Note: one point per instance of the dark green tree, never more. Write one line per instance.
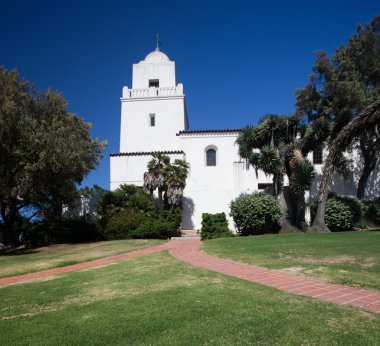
(45, 152)
(125, 197)
(366, 119)
(341, 87)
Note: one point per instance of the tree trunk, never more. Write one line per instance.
(275, 190)
(285, 219)
(364, 178)
(370, 159)
(319, 225)
(9, 215)
(160, 201)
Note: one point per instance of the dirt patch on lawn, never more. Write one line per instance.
(368, 262)
(324, 260)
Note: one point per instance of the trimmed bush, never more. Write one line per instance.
(159, 226)
(255, 213)
(215, 226)
(342, 213)
(338, 216)
(120, 225)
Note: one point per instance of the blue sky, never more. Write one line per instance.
(238, 60)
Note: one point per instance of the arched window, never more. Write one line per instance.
(211, 157)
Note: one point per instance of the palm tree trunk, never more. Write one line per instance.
(285, 219)
(160, 200)
(275, 186)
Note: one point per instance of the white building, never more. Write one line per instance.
(154, 118)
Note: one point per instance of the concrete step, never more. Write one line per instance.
(185, 238)
(190, 232)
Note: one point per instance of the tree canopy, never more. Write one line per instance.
(45, 152)
(342, 86)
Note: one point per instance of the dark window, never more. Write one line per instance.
(152, 119)
(154, 83)
(264, 186)
(211, 157)
(318, 156)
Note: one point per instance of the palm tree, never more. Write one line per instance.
(155, 177)
(176, 181)
(169, 179)
(301, 178)
(369, 118)
(282, 153)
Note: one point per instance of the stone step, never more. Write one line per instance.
(185, 238)
(190, 232)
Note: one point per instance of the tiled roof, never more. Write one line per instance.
(147, 153)
(207, 131)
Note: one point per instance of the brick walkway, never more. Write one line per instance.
(84, 265)
(189, 251)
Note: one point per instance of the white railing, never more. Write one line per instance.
(138, 93)
(153, 92)
(167, 91)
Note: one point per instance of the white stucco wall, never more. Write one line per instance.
(210, 189)
(348, 185)
(144, 71)
(157, 66)
(136, 134)
(130, 169)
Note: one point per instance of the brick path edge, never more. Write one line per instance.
(189, 252)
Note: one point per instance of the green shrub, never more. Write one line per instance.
(372, 212)
(256, 213)
(342, 213)
(120, 225)
(159, 226)
(215, 226)
(338, 216)
(73, 230)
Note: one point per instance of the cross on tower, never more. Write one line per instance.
(158, 43)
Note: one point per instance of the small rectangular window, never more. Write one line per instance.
(264, 186)
(318, 156)
(154, 83)
(152, 119)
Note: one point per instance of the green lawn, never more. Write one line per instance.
(351, 258)
(157, 300)
(66, 254)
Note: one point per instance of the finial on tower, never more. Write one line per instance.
(158, 42)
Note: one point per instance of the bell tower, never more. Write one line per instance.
(153, 111)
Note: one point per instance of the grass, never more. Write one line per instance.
(350, 258)
(158, 300)
(66, 254)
